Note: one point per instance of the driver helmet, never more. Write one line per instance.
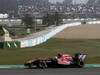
(59, 55)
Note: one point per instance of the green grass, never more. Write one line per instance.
(50, 49)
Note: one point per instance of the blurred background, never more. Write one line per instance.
(29, 16)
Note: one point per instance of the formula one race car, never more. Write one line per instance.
(59, 61)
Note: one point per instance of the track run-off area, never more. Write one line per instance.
(50, 71)
(22, 66)
(89, 69)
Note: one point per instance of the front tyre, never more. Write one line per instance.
(81, 64)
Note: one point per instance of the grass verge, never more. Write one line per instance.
(51, 48)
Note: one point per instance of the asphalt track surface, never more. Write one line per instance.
(56, 71)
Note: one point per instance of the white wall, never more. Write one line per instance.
(43, 36)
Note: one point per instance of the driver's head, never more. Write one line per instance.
(59, 55)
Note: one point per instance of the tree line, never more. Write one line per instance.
(48, 19)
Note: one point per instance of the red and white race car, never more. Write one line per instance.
(59, 61)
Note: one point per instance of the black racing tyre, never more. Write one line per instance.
(42, 64)
(81, 64)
